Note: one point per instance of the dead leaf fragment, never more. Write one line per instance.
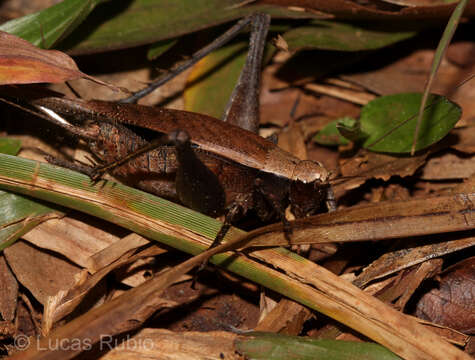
(40, 272)
(448, 166)
(394, 261)
(8, 291)
(72, 238)
(368, 165)
(168, 345)
(451, 302)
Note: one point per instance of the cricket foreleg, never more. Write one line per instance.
(233, 212)
(79, 167)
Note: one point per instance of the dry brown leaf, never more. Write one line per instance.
(63, 303)
(168, 345)
(465, 139)
(23, 63)
(328, 287)
(376, 221)
(392, 262)
(123, 313)
(448, 166)
(72, 238)
(292, 140)
(409, 281)
(8, 291)
(451, 335)
(114, 251)
(42, 273)
(368, 165)
(461, 53)
(287, 318)
(276, 106)
(451, 302)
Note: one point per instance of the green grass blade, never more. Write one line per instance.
(19, 214)
(123, 24)
(438, 56)
(267, 346)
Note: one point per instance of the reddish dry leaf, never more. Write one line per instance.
(451, 302)
(23, 63)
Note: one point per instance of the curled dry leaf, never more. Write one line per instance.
(24, 63)
(451, 302)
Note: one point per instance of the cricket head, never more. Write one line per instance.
(308, 189)
(308, 172)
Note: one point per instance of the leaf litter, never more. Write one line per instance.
(376, 178)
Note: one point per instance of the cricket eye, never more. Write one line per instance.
(308, 171)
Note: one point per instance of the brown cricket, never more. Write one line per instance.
(209, 165)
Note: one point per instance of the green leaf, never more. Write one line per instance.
(212, 80)
(45, 28)
(390, 122)
(123, 24)
(332, 35)
(18, 214)
(160, 47)
(283, 347)
(330, 136)
(9, 146)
